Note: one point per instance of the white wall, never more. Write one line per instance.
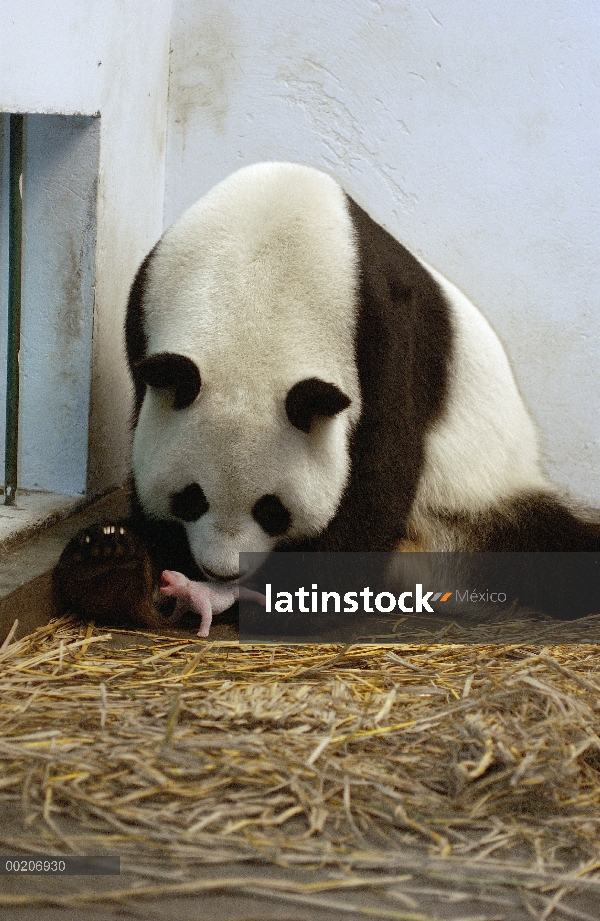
(110, 59)
(470, 130)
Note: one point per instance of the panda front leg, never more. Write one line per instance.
(105, 573)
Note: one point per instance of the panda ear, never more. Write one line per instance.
(311, 398)
(169, 371)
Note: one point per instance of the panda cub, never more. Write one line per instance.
(303, 381)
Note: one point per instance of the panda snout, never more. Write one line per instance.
(219, 577)
(224, 578)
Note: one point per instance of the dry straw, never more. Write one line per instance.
(485, 757)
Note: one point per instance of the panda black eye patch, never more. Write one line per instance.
(311, 398)
(189, 504)
(169, 371)
(271, 514)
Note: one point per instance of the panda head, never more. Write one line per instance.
(242, 469)
(242, 322)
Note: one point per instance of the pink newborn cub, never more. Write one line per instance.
(204, 598)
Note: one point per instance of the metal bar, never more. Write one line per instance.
(15, 241)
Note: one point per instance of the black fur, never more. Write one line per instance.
(532, 529)
(169, 371)
(403, 348)
(311, 398)
(272, 515)
(533, 522)
(190, 503)
(136, 341)
(166, 541)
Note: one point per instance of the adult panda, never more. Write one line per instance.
(304, 381)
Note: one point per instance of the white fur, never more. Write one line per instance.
(255, 283)
(484, 450)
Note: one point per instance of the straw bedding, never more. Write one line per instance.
(198, 752)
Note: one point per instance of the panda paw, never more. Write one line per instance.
(105, 573)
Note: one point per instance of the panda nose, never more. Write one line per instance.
(219, 577)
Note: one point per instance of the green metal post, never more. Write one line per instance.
(15, 239)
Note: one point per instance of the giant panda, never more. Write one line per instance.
(303, 381)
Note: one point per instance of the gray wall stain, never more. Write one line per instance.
(204, 66)
(75, 275)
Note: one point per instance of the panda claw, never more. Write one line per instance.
(105, 573)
